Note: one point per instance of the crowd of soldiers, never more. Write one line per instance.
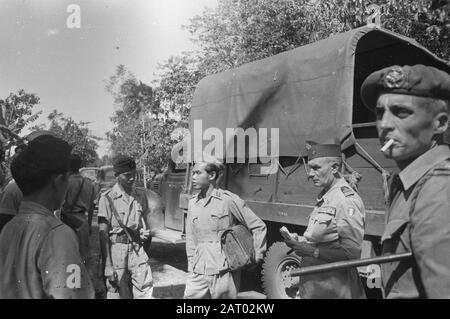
(46, 212)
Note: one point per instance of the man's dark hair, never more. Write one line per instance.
(213, 167)
(29, 178)
(75, 162)
(39, 162)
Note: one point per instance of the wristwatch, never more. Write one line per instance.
(316, 253)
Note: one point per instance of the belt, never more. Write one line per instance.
(122, 239)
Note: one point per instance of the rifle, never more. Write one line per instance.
(349, 264)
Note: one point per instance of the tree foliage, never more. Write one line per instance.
(16, 111)
(241, 31)
(76, 134)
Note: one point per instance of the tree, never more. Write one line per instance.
(133, 101)
(76, 134)
(16, 111)
(240, 31)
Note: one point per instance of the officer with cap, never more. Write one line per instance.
(122, 232)
(335, 228)
(11, 195)
(39, 255)
(209, 213)
(411, 104)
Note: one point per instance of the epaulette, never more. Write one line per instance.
(54, 222)
(226, 193)
(347, 191)
(104, 193)
(443, 169)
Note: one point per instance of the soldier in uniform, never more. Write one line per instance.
(80, 203)
(11, 195)
(209, 214)
(125, 262)
(335, 229)
(39, 255)
(411, 104)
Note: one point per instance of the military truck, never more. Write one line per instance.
(311, 93)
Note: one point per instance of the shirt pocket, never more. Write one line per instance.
(220, 220)
(324, 227)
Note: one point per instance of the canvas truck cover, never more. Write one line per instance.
(308, 92)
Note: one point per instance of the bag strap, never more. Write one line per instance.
(72, 206)
(119, 220)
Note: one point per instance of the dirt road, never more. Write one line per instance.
(169, 267)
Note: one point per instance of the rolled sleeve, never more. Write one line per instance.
(103, 209)
(430, 236)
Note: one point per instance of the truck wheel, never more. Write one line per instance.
(277, 282)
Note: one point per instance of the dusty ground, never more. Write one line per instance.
(169, 267)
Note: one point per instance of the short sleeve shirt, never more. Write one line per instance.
(39, 258)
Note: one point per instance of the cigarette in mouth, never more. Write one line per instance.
(387, 145)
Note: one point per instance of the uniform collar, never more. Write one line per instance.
(341, 182)
(215, 193)
(117, 191)
(421, 165)
(27, 207)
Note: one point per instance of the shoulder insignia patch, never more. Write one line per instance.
(351, 211)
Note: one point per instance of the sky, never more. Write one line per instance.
(43, 51)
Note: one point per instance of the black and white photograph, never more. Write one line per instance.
(245, 151)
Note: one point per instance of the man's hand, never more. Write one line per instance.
(111, 276)
(144, 234)
(301, 248)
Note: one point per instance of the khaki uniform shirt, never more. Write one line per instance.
(130, 209)
(39, 258)
(207, 219)
(423, 228)
(337, 222)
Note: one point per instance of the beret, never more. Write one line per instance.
(315, 150)
(418, 80)
(123, 164)
(49, 153)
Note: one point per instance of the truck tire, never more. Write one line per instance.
(276, 282)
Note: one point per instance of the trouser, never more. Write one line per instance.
(125, 259)
(221, 286)
(83, 241)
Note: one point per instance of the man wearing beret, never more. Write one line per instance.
(335, 228)
(39, 255)
(411, 104)
(122, 232)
